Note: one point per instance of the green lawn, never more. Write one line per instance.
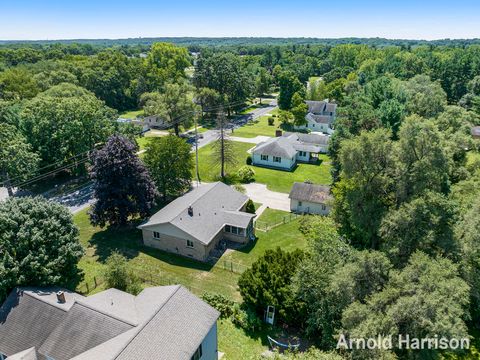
(258, 127)
(276, 180)
(163, 268)
(131, 114)
(273, 215)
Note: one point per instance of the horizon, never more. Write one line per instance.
(53, 20)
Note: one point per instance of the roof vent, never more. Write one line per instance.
(190, 211)
(61, 297)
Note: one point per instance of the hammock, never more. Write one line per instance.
(274, 343)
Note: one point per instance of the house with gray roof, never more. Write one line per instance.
(194, 224)
(320, 116)
(307, 198)
(285, 151)
(166, 322)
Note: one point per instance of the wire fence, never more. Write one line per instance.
(161, 278)
(274, 222)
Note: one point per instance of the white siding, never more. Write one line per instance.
(309, 207)
(286, 164)
(210, 345)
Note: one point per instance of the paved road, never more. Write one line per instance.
(82, 197)
(260, 194)
(211, 135)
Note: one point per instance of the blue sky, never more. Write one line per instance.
(406, 19)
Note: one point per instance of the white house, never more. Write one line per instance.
(310, 199)
(320, 117)
(194, 224)
(164, 323)
(286, 151)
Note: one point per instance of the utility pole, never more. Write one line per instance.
(196, 148)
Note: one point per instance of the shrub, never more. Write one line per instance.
(245, 318)
(249, 160)
(271, 120)
(221, 303)
(250, 207)
(268, 282)
(246, 174)
(118, 276)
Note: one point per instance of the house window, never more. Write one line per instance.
(264, 157)
(299, 203)
(156, 235)
(277, 159)
(313, 125)
(303, 153)
(234, 230)
(324, 207)
(189, 243)
(198, 353)
(3, 356)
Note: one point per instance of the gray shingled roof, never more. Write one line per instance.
(310, 192)
(318, 107)
(26, 321)
(172, 323)
(314, 139)
(278, 146)
(320, 119)
(214, 206)
(175, 331)
(81, 329)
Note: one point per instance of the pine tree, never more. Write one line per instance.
(223, 149)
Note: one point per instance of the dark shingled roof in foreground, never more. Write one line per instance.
(166, 322)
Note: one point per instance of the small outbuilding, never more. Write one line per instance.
(310, 198)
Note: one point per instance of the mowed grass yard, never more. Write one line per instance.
(258, 127)
(163, 268)
(167, 268)
(276, 180)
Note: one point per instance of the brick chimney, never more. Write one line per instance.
(190, 211)
(61, 297)
(278, 133)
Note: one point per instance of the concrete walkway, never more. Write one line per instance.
(260, 194)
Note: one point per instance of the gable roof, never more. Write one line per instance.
(312, 138)
(320, 119)
(26, 321)
(310, 192)
(320, 107)
(214, 206)
(171, 324)
(81, 329)
(278, 146)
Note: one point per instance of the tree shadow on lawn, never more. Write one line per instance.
(127, 240)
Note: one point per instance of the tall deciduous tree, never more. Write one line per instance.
(122, 185)
(39, 244)
(170, 164)
(225, 73)
(64, 122)
(299, 109)
(17, 160)
(165, 63)
(174, 105)
(263, 82)
(426, 297)
(289, 85)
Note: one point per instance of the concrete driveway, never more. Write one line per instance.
(260, 194)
